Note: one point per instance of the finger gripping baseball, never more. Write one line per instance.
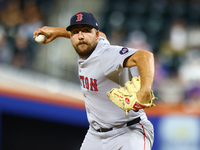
(126, 97)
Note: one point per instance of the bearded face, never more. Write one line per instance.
(84, 39)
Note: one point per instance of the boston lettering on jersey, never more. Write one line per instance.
(88, 83)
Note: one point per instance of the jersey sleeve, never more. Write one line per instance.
(112, 59)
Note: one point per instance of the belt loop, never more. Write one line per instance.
(100, 129)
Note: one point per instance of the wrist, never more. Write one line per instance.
(144, 95)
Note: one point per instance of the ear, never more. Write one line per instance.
(97, 33)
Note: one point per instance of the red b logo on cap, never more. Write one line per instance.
(79, 17)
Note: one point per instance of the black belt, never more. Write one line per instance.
(132, 122)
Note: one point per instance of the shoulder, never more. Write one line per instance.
(103, 40)
(120, 50)
(104, 46)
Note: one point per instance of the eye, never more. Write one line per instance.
(75, 31)
(86, 30)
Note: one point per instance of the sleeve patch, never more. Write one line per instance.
(123, 51)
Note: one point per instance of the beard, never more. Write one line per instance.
(84, 49)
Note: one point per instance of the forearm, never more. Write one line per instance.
(144, 61)
(145, 65)
(62, 32)
(52, 33)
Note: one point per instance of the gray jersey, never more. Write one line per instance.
(99, 73)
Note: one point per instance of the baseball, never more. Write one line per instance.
(40, 38)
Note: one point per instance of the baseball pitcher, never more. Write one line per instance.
(116, 83)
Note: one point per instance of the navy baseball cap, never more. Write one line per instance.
(83, 18)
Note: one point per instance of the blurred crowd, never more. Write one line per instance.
(169, 29)
(177, 61)
(178, 64)
(18, 20)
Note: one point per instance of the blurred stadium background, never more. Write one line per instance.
(41, 106)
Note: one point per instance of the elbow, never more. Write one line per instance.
(140, 57)
(145, 54)
(151, 55)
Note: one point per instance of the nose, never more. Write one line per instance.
(80, 35)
